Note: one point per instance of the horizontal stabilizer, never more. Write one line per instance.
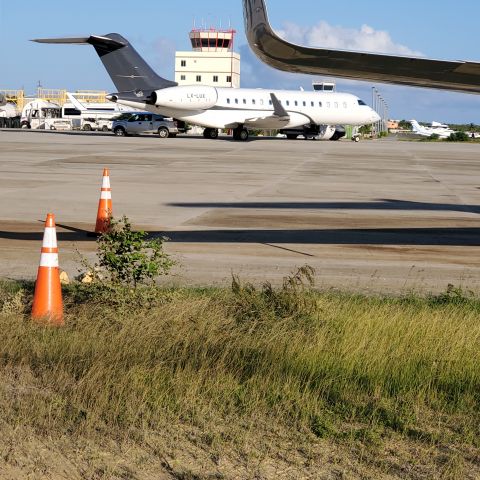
(127, 69)
(91, 40)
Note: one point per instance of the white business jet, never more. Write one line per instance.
(217, 108)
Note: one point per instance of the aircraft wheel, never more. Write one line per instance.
(240, 134)
(243, 135)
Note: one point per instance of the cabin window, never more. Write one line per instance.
(288, 103)
(228, 101)
(253, 102)
(199, 78)
(328, 104)
(313, 104)
(215, 79)
(320, 104)
(304, 104)
(261, 101)
(184, 63)
(296, 103)
(270, 102)
(236, 101)
(344, 104)
(244, 101)
(336, 104)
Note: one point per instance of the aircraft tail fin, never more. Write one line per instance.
(415, 125)
(127, 69)
(78, 105)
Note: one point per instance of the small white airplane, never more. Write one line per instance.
(217, 108)
(96, 109)
(435, 128)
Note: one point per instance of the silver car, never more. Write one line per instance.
(138, 123)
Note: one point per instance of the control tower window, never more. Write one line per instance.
(184, 63)
(199, 78)
(229, 79)
(215, 78)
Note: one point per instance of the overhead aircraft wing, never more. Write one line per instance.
(461, 76)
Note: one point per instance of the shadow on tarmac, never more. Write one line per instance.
(381, 204)
(464, 237)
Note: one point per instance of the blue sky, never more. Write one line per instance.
(158, 28)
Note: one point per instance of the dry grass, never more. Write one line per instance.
(389, 388)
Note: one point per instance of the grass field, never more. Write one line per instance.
(241, 383)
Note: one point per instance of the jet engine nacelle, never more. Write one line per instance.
(185, 97)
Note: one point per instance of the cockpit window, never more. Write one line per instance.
(361, 102)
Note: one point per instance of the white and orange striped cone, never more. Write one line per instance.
(47, 299)
(104, 213)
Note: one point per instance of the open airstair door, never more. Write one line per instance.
(461, 76)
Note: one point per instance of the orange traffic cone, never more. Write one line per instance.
(47, 299)
(104, 205)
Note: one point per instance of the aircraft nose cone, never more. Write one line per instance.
(375, 117)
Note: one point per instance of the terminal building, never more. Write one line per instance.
(212, 60)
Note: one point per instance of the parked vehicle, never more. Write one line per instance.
(144, 122)
(44, 115)
(96, 124)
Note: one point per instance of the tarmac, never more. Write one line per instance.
(386, 216)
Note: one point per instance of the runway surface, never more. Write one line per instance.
(380, 216)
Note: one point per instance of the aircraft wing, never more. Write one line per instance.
(461, 76)
(278, 119)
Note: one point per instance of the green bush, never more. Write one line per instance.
(458, 137)
(126, 257)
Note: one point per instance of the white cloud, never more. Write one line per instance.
(365, 39)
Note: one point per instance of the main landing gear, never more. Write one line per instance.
(240, 133)
(211, 133)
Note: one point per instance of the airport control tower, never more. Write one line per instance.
(212, 60)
